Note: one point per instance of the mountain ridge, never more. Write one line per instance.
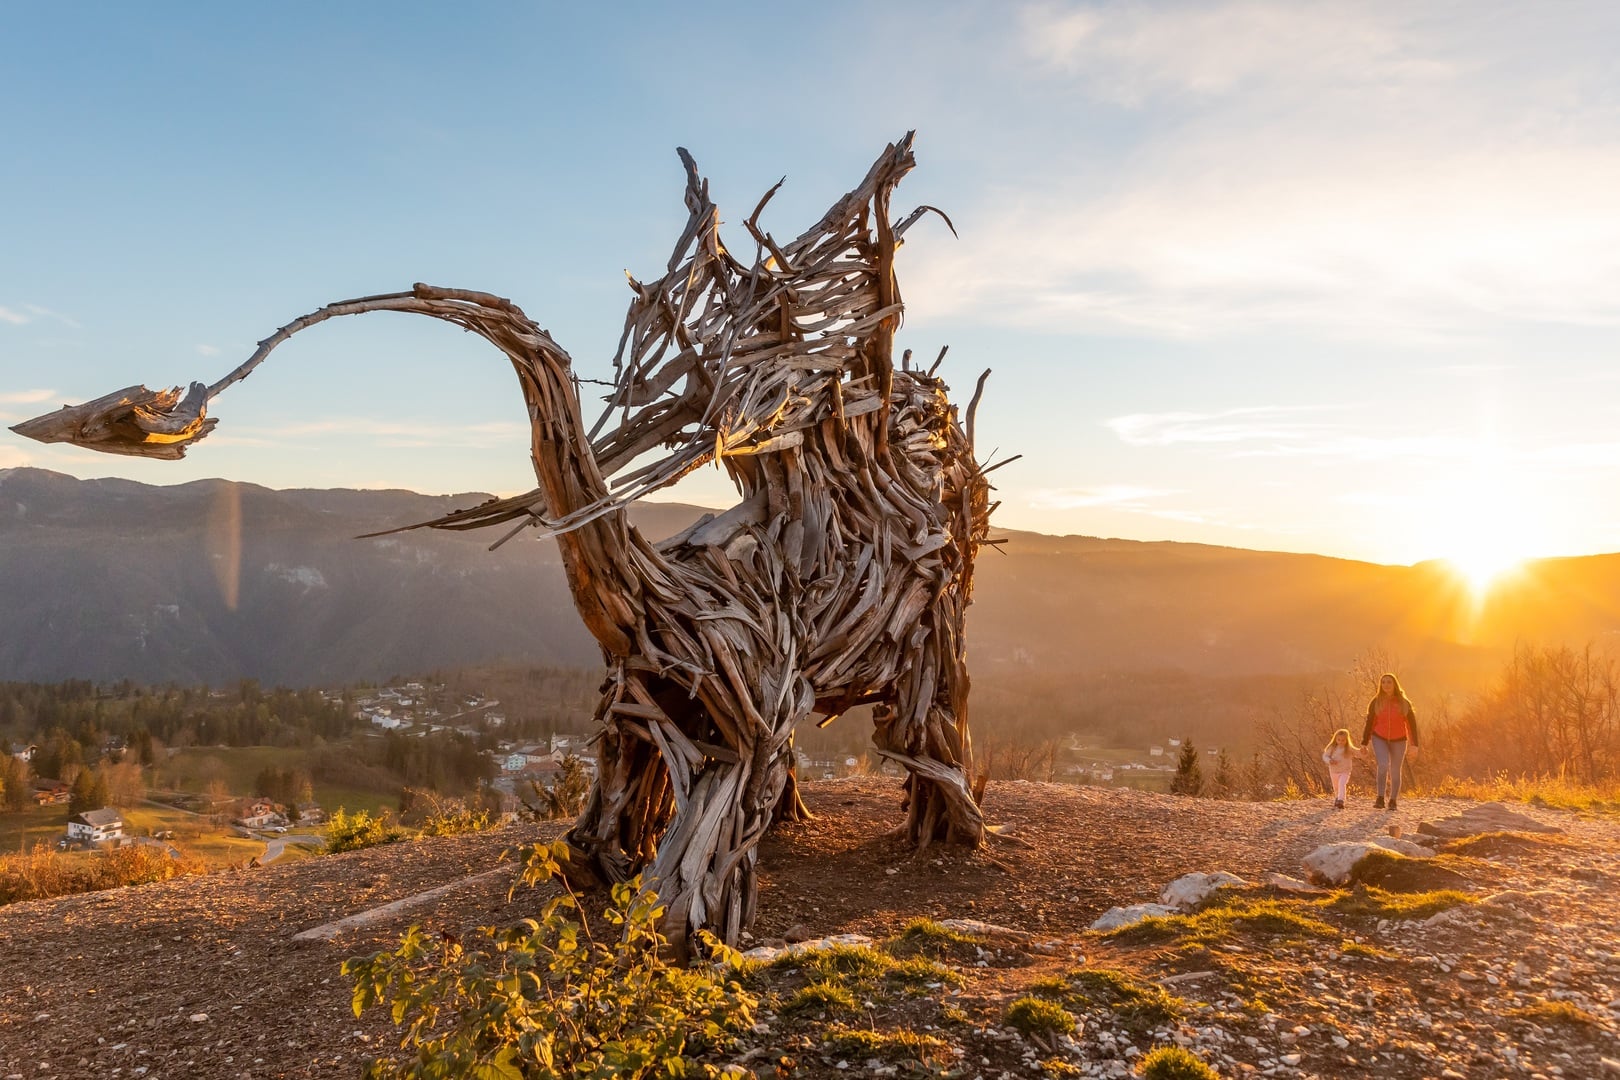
(215, 580)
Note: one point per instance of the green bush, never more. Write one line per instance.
(546, 999)
(350, 832)
(439, 816)
(1173, 1063)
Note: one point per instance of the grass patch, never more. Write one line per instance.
(819, 997)
(1366, 952)
(838, 962)
(22, 829)
(1174, 1063)
(926, 937)
(193, 768)
(1555, 1012)
(1401, 873)
(920, 973)
(1553, 791)
(1228, 916)
(1058, 1069)
(1138, 1005)
(1038, 1016)
(1492, 844)
(894, 1046)
(1373, 902)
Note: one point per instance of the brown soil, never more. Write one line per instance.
(199, 978)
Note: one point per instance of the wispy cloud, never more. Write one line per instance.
(208, 350)
(1370, 172)
(1283, 431)
(25, 397)
(1255, 423)
(1302, 431)
(1136, 52)
(55, 316)
(494, 434)
(1131, 499)
(27, 313)
(1115, 496)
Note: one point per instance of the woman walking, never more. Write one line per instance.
(1392, 730)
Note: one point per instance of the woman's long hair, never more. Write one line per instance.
(1400, 694)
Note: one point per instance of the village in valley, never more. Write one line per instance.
(241, 803)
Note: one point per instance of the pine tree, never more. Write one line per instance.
(18, 790)
(1254, 779)
(1225, 783)
(1189, 778)
(82, 795)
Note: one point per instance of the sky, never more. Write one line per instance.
(1329, 277)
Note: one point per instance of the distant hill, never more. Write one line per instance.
(213, 581)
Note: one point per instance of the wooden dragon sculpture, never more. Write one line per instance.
(841, 578)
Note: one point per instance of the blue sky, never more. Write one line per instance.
(1341, 278)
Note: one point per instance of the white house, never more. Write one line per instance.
(22, 751)
(260, 814)
(96, 826)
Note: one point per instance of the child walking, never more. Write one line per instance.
(1340, 756)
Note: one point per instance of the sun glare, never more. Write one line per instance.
(1481, 523)
(1484, 567)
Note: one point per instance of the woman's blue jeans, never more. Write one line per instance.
(1391, 755)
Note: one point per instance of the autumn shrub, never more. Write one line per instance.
(564, 796)
(437, 815)
(549, 999)
(350, 832)
(44, 872)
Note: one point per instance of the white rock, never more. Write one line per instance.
(1289, 884)
(199, 1018)
(1190, 890)
(1334, 863)
(767, 953)
(1403, 847)
(1114, 918)
(983, 929)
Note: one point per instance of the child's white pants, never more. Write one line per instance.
(1341, 783)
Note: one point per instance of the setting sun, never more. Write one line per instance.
(1483, 566)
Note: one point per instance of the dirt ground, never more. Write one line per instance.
(199, 978)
